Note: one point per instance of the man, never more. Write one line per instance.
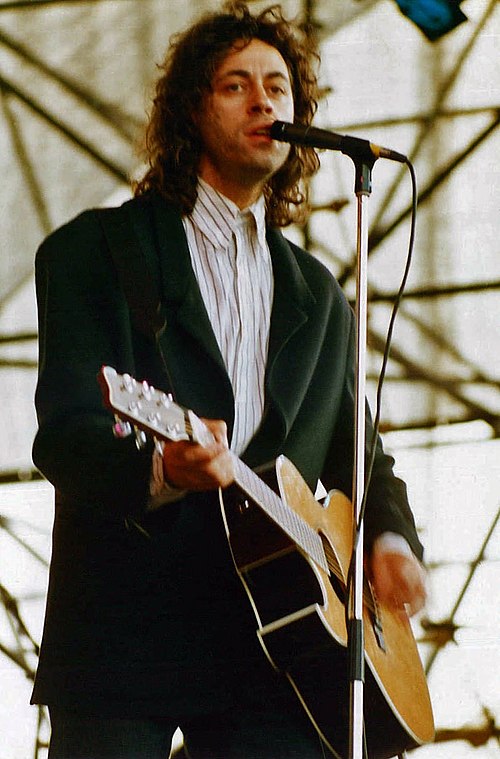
(147, 625)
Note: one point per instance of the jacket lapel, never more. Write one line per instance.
(179, 282)
(287, 378)
(200, 384)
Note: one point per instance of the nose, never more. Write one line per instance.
(260, 102)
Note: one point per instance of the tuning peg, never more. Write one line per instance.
(164, 399)
(140, 439)
(121, 429)
(147, 391)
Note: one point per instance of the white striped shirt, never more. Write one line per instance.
(232, 264)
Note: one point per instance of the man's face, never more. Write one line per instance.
(250, 89)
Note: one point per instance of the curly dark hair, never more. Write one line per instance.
(172, 141)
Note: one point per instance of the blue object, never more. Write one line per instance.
(433, 17)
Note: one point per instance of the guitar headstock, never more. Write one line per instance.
(150, 410)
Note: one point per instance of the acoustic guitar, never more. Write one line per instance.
(292, 555)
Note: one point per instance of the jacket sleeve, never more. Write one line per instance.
(83, 324)
(387, 506)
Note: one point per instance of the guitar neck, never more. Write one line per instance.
(156, 414)
(279, 512)
(286, 518)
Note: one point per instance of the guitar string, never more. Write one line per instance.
(298, 529)
(333, 564)
(308, 539)
(292, 523)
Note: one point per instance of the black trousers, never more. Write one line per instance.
(258, 731)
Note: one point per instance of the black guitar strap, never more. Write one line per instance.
(139, 285)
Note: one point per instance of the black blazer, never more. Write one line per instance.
(138, 623)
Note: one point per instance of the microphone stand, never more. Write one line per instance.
(363, 154)
(363, 166)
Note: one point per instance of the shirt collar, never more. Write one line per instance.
(217, 217)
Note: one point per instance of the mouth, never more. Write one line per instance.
(263, 131)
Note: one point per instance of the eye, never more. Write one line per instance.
(277, 90)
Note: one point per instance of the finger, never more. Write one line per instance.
(416, 604)
(218, 428)
(193, 467)
(413, 597)
(190, 454)
(416, 597)
(220, 470)
(399, 581)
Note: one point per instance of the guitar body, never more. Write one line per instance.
(300, 617)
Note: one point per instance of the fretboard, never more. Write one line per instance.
(275, 508)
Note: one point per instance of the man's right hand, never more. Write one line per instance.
(190, 466)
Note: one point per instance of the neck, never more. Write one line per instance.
(243, 194)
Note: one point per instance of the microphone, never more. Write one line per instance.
(312, 137)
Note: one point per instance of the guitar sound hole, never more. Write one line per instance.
(338, 587)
